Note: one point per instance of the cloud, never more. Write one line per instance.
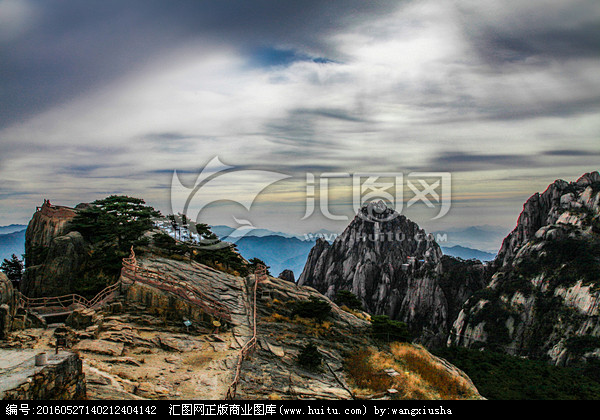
(571, 152)
(66, 49)
(463, 161)
(114, 96)
(532, 33)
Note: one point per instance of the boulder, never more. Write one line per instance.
(82, 318)
(287, 275)
(8, 305)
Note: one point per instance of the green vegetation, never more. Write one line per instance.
(314, 308)
(310, 357)
(495, 315)
(348, 299)
(117, 220)
(385, 329)
(564, 261)
(499, 376)
(561, 263)
(112, 226)
(254, 262)
(579, 345)
(13, 268)
(166, 243)
(209, 251)
(218, 254)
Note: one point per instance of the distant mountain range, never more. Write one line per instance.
(224, 232)
(11, 229)
(12, 241)
(278, 252)
(487, 238)
(468, 253)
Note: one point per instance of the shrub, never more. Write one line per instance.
(163, 241)
(579, 345)
(310, 357)
(385, 329)
(348, 299)
(254, 262)
(314, 308)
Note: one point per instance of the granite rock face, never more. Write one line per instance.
(53, 257)
(287, 275)
(559, 200)
(8, 305)
(394, 268)
(543, 299)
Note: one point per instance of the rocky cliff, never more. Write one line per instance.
(396, 269)
(543, 298)
(53, 256)
(546, 209)
(8, 305)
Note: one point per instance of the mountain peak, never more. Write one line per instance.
(376, 211)
(588, 179)
(546, 208)
(393, 266)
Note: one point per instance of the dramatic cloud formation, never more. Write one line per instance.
(110, 97)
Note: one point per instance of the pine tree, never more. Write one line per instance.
(112, 226)
(115, 219)
(254, 262)
(13, 268)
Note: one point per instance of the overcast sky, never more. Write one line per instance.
(110, 97)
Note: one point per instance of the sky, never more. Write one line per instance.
(111, 97)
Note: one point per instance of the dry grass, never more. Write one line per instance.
(365, 375)
(359, 314)
(275, 317)
(445, 384)
(419, 375)
(311, 326)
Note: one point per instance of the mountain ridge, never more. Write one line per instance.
(12, 243)
(466, 253)
(543, 298)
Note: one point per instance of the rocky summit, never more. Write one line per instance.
(151, 342)
(543, 298)
(396, 269)
(54, 256)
